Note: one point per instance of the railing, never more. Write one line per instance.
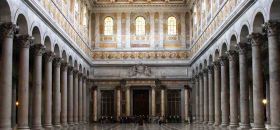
(65, 19)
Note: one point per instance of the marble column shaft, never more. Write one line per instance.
(38, 50)
(233, 84)
(80, 98)
(257, 40)
(57, 95)
(206, 97)
(217, 82)
(70, 108)
(6, 74)
(95, 104)
(48, 89)
(118, 102)
(84, 99)
(201, 98)
(64, 99)
(75, 96)
(224, 91)
(162, 102)
(153, 101)
(127, 101)
(274, 72)
(211, 95)
(24, 42)
(244, 86)
(186, 103)
(197, 98)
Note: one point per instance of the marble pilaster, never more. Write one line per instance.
(127, 101)
(162, 101)
(118, 91)
(94, 104)
(153, 101)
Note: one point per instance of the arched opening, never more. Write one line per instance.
(233, 42)
(216, 56)
(5, 12)
(37, 35)
(210, 60)
(22, 23)
(224, 49)
(56, 50)
(48, 44)
(275, 10)
(64, 57)
(258, 22)
(244, 33)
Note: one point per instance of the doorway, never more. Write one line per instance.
(140, 102)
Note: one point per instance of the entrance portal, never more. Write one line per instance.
(140, 102)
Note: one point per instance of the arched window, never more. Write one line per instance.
(172, 26)
(108, 26)
(140, 26)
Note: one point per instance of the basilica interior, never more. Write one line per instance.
(139, 64)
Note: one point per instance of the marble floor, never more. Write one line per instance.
(144, 127)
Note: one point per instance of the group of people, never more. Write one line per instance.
(140, 119)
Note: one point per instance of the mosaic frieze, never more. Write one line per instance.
(103, 55)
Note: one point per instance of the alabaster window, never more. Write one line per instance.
(76, 9)
(140, 26)
(84, 16)
(108, 26)
(172, 26)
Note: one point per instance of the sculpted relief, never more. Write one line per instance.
(139, 70)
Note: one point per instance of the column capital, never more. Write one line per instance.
(70, 68)
(272, 27)
(49, 56)
(205, 71)
(24, 41)
(242, 47)
(75, 71)
(256, 39)
(216, 64)
(80, 74)
(38, 49)
(8, 30)
(57, 61)
(64, 66)
(232, 55)
(210, 68)
(223, 60)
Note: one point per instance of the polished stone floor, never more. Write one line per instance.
(144, 127)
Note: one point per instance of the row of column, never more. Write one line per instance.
(218, 101)
(60, 103)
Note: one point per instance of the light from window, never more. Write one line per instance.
(140, 26)
(108, 26)
(171, 26)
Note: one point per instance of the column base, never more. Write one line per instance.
(258, 129)
(274, 128)
(233, 126)
(23, 128)
(244, 127)
(3, 128)
(224, 125)
(211, 123)
(37, 127)
(47, 126)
